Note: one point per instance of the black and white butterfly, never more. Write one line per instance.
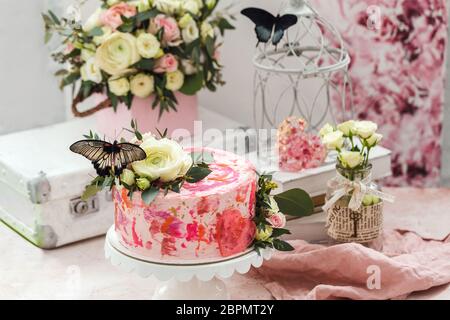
(108, 157)
(268, 26)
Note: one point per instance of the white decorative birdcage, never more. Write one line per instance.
(306, 75)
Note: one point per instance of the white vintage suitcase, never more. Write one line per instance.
(41, 182)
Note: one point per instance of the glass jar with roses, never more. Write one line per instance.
(354, 203)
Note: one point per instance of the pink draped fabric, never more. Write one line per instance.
(415, 256)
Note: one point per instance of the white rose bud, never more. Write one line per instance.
(207, 30)
(374, 140)
(93, 21)
(185, 20)
(175, 80)
(365, 129)
(128, 177)
(188, 67)
(328, 128)
(351, 159)
(148, 45)
(142, 85)
(120, 87)
(210, 4)
(143, 183)
(91, 72)
(191, 6)
(333, 140)
(347, 128)
(190, 32)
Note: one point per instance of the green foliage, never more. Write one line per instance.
(295, 202)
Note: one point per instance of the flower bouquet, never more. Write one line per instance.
(147, 49)
(354, 204)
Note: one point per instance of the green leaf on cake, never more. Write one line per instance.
(295, 202)
(279, 232)
(281, 245)
(197, 174)
(149, 195)
(145, 64)
(192, 84)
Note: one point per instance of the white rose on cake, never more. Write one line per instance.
(142, 85)
(91, 72)
(175, 80)
(148, 45)
(120, 87)
(192, 6)
(117, 53)
(166, 160)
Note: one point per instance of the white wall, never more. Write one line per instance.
(29, 95)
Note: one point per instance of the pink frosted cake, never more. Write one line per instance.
(208, 221)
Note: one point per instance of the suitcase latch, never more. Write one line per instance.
(79, 207)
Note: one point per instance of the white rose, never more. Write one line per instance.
(166, 160)
(347, 128)
(120, 87)
(351, 159)
(191, 6)
(365, 129)
(141, 5)
(175, 80)
(117, 53)
(374, 140)
(107, 31)
(333, 140)
(188, 67)
(148, 45)
(142, 85)
(207, 30)
(328, 128)
(93, 21)
(91, 72)
(274, 209)
(190, 32)
(167, 6)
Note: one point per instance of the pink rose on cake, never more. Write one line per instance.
(277, 220)
(167, 63)
(113, 16)
(172, 34)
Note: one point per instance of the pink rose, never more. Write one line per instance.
(167, 63)
(172, 33)
(113, 16)
(277, 220)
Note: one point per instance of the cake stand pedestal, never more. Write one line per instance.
(201, 281)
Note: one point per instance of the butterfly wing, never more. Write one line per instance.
(263, 20)
(91, 149)
(281, 25)
(130, 153)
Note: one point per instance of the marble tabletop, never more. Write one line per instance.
(80, 271)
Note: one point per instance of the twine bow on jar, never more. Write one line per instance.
(358, 189)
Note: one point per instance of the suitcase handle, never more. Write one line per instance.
(82, 114)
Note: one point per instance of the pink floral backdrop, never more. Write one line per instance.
(398, 71)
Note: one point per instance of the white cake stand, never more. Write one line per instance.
(183, 282)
